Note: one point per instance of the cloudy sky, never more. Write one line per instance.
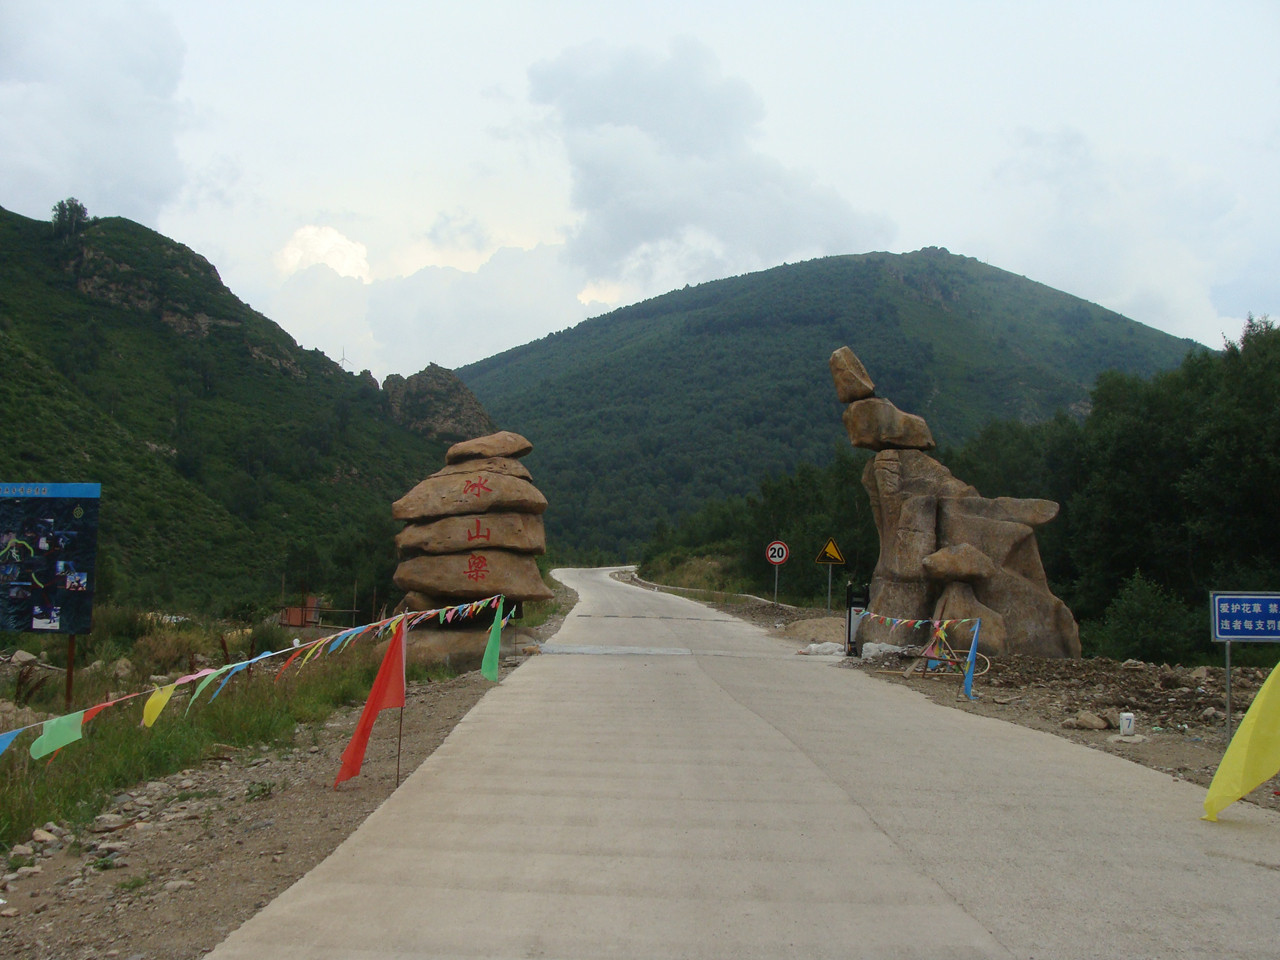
(402, 183)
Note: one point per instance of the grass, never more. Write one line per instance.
(76, 784)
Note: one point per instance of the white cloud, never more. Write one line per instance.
(314, 244)
(666, 182)
(1142, 236)
(88, 108)
(436, 315)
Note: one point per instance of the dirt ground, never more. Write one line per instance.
(175, 865)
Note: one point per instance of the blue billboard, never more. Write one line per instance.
(1252, 616)
(48, 551)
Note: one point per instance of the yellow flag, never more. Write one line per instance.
(155, 703)
(1253, 756)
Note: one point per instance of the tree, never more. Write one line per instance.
(69, 216)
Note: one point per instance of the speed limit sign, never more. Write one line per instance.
(776, 553)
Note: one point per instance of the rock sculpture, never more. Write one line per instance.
(947, 552)
(472, 528)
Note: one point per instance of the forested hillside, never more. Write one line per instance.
(1167, 489)
(643, 414)
(233, 463)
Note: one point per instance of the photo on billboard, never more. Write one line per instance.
(48, 553)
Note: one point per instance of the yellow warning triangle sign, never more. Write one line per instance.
(830, 553)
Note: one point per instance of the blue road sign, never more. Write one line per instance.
(1248, 617)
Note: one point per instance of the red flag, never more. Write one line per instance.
(387, 691)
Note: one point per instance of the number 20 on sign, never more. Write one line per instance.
(776, 553)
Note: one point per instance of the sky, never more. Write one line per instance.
(398, 184)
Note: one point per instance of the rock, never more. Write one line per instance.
(961, 562)
(1132, 664)
(108, 822)
(1112, 717)
(947, 552)
(21, 658)
(501, 444)
(823, 649)
(958, 603)
(473, 576)
(9, 912)
(876, 651)
(95, 667)
(468, 493)
(850, 376)
(171, 886)
(1211, 714)
(1200, 674)
(1090, 721)
(436, 404)
(520, 532)
(159, 679)
(503, 465)
(42, 836)
(876, 424)
(122, 669)
(22, 850)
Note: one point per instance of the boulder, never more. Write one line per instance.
(472, 576)
(477, 492)
(520, 532)
(21, 658)
(504, 465)
(958, 603)
(850, 376)
(876, 424)
(501, 444)
(962, 562)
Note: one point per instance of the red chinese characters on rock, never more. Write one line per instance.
(477, 533)
(476, 487)
(477, 567)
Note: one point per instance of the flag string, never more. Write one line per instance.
(57, 732)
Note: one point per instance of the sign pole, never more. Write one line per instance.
(828, 588)
(775, 583)
(1228, 649)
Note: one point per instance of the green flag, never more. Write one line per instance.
(56, 734)
(489, 666)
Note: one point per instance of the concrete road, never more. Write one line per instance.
(671, 783)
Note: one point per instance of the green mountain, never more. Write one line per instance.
(233, 463)
(645, 413)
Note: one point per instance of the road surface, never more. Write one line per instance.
(668, 782)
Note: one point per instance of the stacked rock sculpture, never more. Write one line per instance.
(472, 528)
(946, 551)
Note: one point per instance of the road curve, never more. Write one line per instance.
(671, 782)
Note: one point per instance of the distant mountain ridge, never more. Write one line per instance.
(234, 463)
(640, 415)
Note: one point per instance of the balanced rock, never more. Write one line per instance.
(947, 552)
(850, 376)
(503, 465)
(519, 532)
(470, 492)
(501, 444)
(473, 575)
(876, 424)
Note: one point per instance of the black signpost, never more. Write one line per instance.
(48, 556)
